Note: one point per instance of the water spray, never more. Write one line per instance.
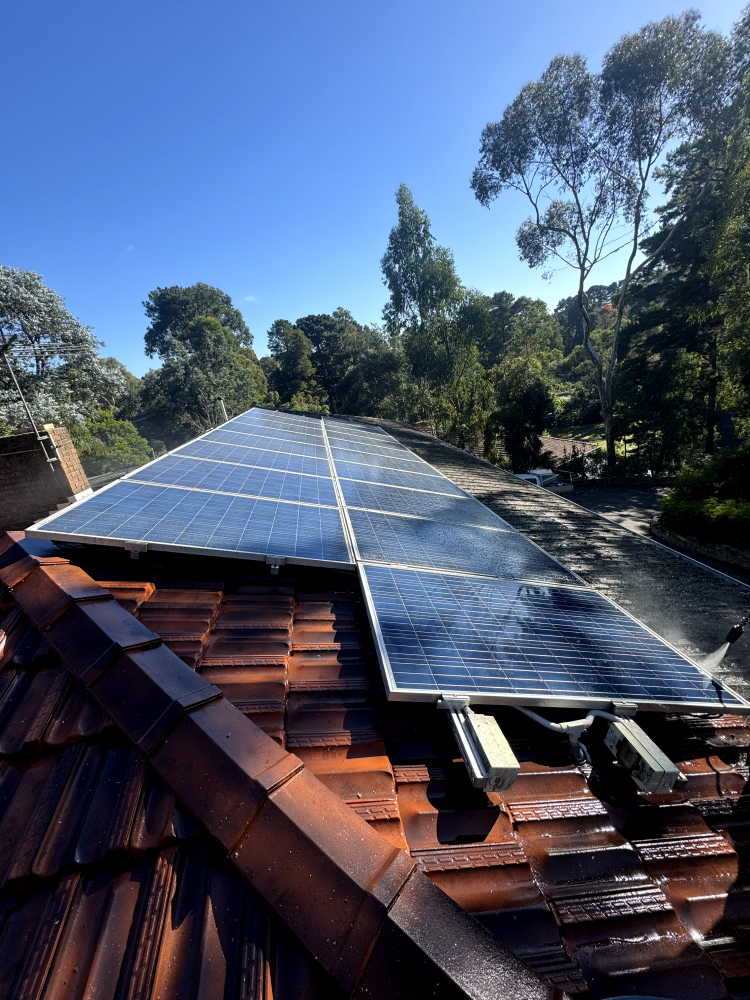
(712, 661)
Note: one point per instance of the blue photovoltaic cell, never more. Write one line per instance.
(136, 512)
(392, 477)
(397, 500)
(282, 461)
(414, 541)
(174, 470)
(252, 441)
(530, 644)
(406, 464)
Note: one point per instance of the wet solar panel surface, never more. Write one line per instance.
(461, 601)
(533, 644)
(413, 541)
(260, 485)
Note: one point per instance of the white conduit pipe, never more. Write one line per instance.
(574, 729)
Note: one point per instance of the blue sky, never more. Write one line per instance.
(258, 147)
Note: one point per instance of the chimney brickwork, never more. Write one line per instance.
(30, 486)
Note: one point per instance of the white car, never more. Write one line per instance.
(548, 480)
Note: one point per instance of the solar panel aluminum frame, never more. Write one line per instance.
(39, 529)
(394, 692)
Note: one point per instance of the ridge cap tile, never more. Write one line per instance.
(48, 590)
(304, 836)
(146, 691)
(89, 636)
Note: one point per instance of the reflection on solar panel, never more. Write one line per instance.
(504, 641)
(411, 541)
(259, 486)
(460, 602)
(403, 511)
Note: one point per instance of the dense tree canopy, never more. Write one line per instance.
(583, 148)
(659, 361)
(172, 310)
(54, 357)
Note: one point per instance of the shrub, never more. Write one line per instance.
(713, 503)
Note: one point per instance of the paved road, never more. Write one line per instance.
(687, 605)
(631, 507)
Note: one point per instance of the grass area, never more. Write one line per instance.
(590, 433)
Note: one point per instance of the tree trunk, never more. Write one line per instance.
(713, 380)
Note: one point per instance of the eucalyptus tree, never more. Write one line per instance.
(54, 357)
(583, 149)
(420, 275)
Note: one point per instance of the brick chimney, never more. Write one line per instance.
(30, 486)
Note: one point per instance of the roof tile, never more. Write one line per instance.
(89, 636)
(146, 692)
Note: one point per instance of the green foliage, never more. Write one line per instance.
(292, 374)
(59, 370)
(184, 393)
(106, 444)
(524, 402)
(713, 502)
(583, 148)
(420, 275)
(172, 310)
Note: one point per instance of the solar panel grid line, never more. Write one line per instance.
(411, 489)
(424, 517)
(222, 461)
(351, 538)
(226, 493)
(276, 461)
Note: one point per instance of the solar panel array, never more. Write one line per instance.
(460, 602)
(259, 486)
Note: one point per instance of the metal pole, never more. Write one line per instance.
(39, 437)
(223, 409)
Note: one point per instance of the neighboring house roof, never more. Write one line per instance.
(565, 449)
(291, 839)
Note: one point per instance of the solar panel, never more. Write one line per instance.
(399, 500)
(501, 641)
(196, 519)
(260, 486)
(394, 477)
(226, 477)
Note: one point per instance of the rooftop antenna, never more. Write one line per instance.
(11, 348)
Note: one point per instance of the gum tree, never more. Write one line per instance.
(583, 149)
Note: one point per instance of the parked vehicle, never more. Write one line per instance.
(555, 482)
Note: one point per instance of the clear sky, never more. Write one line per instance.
(258, 146)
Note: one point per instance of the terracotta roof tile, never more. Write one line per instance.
(572, 868)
